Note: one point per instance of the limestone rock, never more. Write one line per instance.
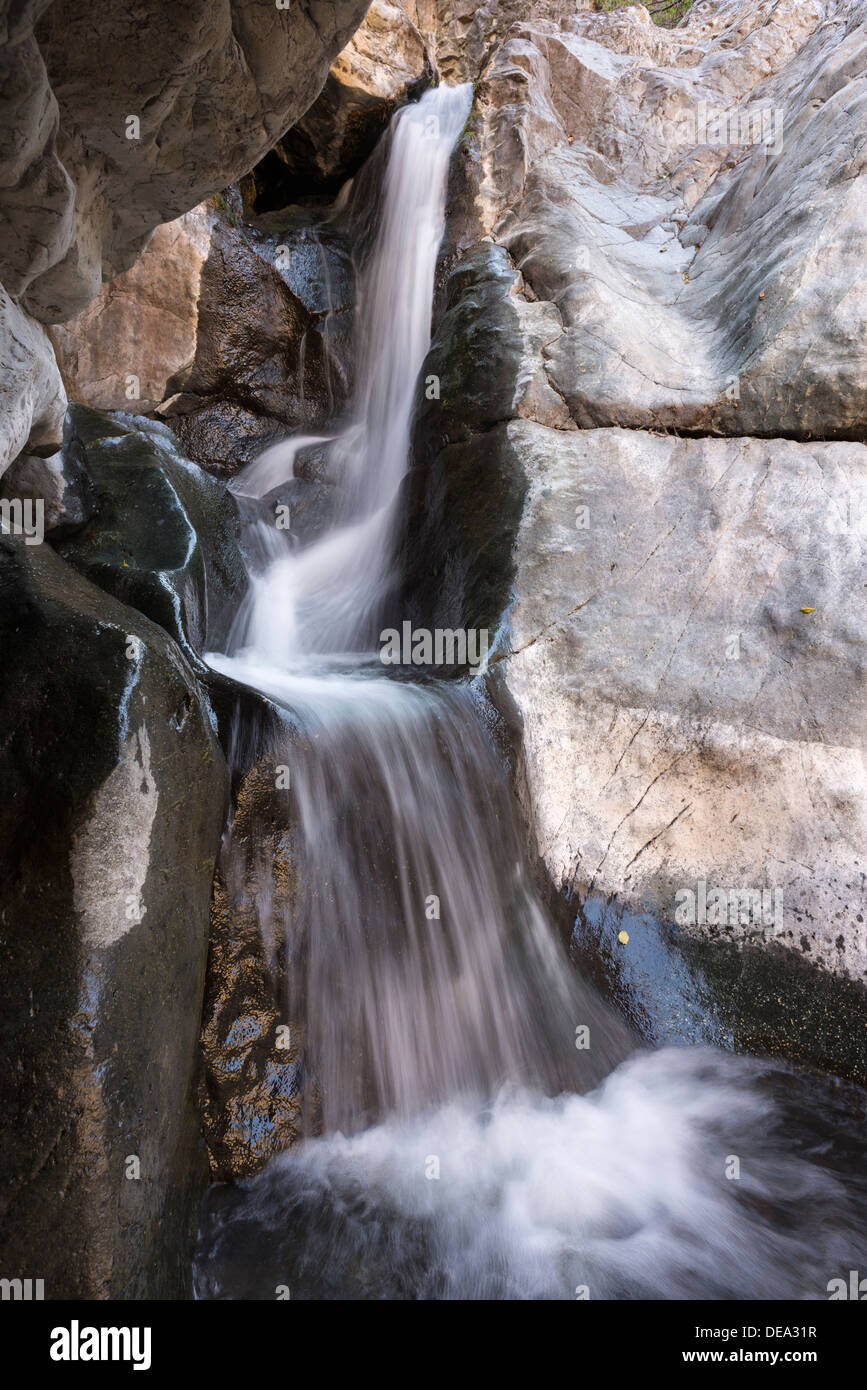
(384, 64)
(690, 203)
(32, 398)
(461, 34)
(141, 330)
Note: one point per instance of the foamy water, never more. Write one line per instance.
(470, 1149)
(622, 1193)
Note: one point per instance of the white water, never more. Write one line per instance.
(623, 1193)
(325, 598)
(445, 1039)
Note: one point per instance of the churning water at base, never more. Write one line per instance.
(624, 1193)
(470, 1149)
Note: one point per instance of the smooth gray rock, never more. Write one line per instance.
(702, 282)
(682, 720)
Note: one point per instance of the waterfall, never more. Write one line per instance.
(326, 597)
(469, 1147)
(418, 955)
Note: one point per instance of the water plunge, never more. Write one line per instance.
(439, 1011)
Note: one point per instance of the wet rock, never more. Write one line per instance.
(271, 350)
(163, 537)
(58, 481)
(254, 1085)
(384, 64)
(114, 796)
(677, 987)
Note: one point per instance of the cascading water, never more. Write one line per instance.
(439, 1012)
(325, 598)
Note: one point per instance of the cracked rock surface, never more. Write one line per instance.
(647, 466)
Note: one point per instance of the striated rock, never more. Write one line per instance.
(115, 122)
(461, 34)
(690, 203)
(114, 795)
(384, 65)
(32, 398)
(681, 624)
(141, 330)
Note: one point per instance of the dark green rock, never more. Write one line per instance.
(464, 495)
(163, 536)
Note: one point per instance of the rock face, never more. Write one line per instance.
(684, 718)
(142, 328)
(461, 34)
(32, 398)
(273, 332)
(114, 795)
(384, 64)
(682, 631)
(117, 122)
(691, 202)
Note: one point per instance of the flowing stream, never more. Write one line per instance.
(464, 1146)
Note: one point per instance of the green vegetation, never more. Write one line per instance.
(664, 12)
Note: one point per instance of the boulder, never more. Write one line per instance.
(114, 796)
(163, 536)
(57, 482)
(273, 335)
